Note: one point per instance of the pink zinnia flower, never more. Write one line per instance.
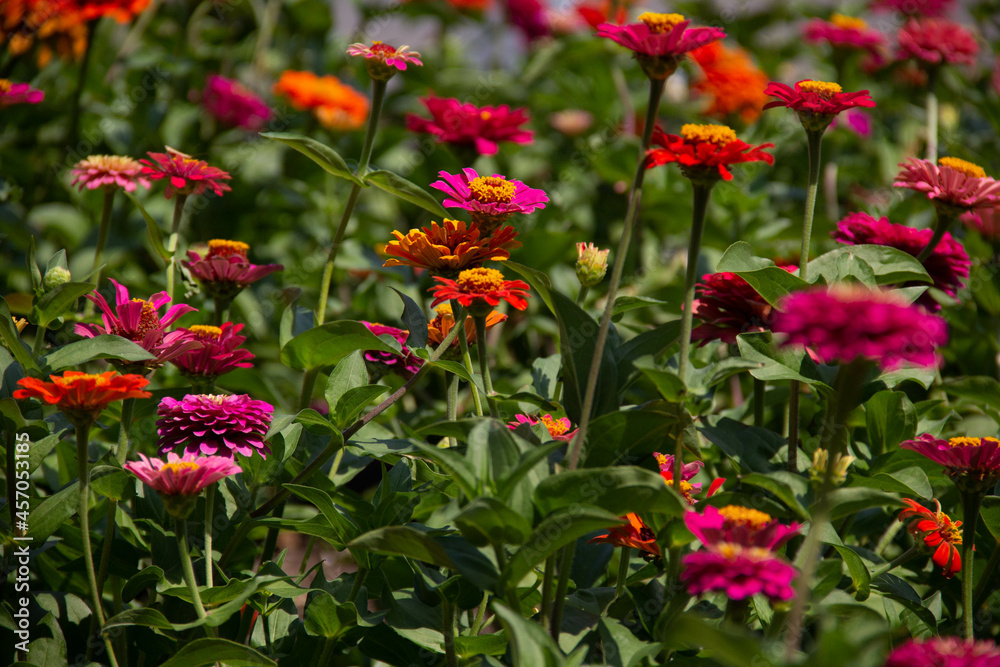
(986, 221)
(558, 428)
(491, 199)
(463, 124)
(973, 463)
(18, 93)
(234, 104)
(139, 321)
(211, 424)
(952, 182)
(185, 175)
(531, 17)
(186, 475)
(947, 265)
(383, 60)
(816, 102)
(727, 306)
(936, 41)
(855, 120)
(915, 7)
(849, 322)
(844, 32)
(945, 652)
(225, 270)
(219, 354)
(688, 471)
(405, 364)
(109, 172)
(659, 41)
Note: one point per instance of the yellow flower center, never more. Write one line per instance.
(716, 134)
(744, 516)
(969, 442)
(686, 487)
(824, 89)
(205, 331)
(180, 466)
(480, 280)
(68, 382)
(216, 398)
(109, 163)
(444, 310)
(5, 85)
(225, 248)
(661, 459)
(967, 168)
(555, 426)
(660, 23)
(491, 189)
(848, 22)
(949, 531)
(485, 115)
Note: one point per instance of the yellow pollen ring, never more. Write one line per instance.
(967, 168)
(5, 85)
(661, 23)
(824, 89)
(661, 459)
(555, 426)
(225, 248)
(745, 516)
(490, 189)
(969, 442)
(848, 22)
(180, 466)
(485, 115)
(481, 280)
(205, 330)
(444, 310)
(716, 134)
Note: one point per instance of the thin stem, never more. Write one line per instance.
(795, 392)
(943, 223)
(188, 569)
(36, 344)
(484, 366)
(736, 612)
(221, 311)
(359, 578)
(328, 644)
(305, 557)
(209, 531)
(581, 298)
(970, 511)
(565, 567)
(125, 430)
(888, 536)
(548, 578)
(896, 562)
(175, 226)
(109, 536)
(452, 406)
(477, 625)
(308, 383)
(467, 362)
(813, 142)
(635, 195)
(102, 234)
(448, 618)
(932, 116)
(623, 561)
(759, 387)
(701, 195)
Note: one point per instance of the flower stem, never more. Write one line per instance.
(477, 625)
(448, 618)
(484, 366)
(635, 195)
(459, 312)
(565, 567)
(109, 536)
(794, 393)
(175, 227)
(896, 562)
(124, 431)
(701, 195)
(452, 407)
(944, 221)
(736, 612)
(378, 97)
(813, 142)
(623, 561)
(102, 235)
(932, 115)
(971, 502)
(548, 578)
(188, 569)
(581, 298)
(209, 530)
(38, 342)
(759, 387)
(221, 311)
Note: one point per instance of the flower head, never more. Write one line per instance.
(220, 352)
(560, 428)
(915, 7)
(704, 151)
(591, 264)
(82, 396)
(955, 184)
(50, 27)
(634, 534)
(184, 174)
(480, 290)
(731, 81)
(464, 124)
(937, 533)
(936, 41)
(109, 172)
(382, 60)
(225, 270)
(444, 321)
(214, 424)
(180, 479)
(947, 265)
(491, 199)
(659, 41)
(233, 104)
(945, 652)
(18, 93)
(816, 102)
(986, 221)
(727, 306)
(336, 105)
(972, 463)
(405, 364)
(843, 32)
(688, 471)
(449, 248)
(849, 322)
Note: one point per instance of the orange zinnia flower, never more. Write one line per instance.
(58, 28)
(439, 328)
(82, 396)
(337, 106)
(480, 290)
(449, 248)
(731, 80)
(635, 534)
(938, 532)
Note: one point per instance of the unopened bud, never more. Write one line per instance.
(55, 277)
(19, 323)
(591, 264)
(821, 459)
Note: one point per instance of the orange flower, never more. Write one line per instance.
(82, 396)
(939, 533)
(449, 248)
(57, 28)
(439, 328)
(731, 80)
(635, 534)
(337, 106)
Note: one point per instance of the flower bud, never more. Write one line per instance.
(55, 277)
(821, 459)
(591, 264)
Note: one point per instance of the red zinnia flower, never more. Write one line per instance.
(952, 182)
(938, 533)
(727, 306)
(972, 463)
(936, 41)
(219, 354)
(659, 41)
(635, 534)
(945, 652)
(226, 270)
(82, 396)
(464, 124)
(816, 102)
(480, 290)
(18, 93)
(843, 32)
(704, 151)
(185, 175)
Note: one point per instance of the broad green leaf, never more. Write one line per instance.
(327, 344)
(41, 448)
(145, 616)
(891, 419)
(488, 521)
(354, 400)
(456, 466)
(105, 346)
(52, 512)
(342, 527)
(148, 577)
(621, 647)
(530, 644)
(325, 617)
(771, 282)
(396, 185)
(210, 650)
(667, 382)
(911, 481)
(310, 417)
(991, 515)
(319, 153)
(632, 435)
(404, 541)
(294, 320)
(787, 486)
(978, 388)
(56, 302)
(731, 647)
(777, 364)
(650, 342)
(12, 339)
(860, 576)
(414, 320)
(751, 446)
(111, 481)
(618, 490)
(152, 229)
(349, 373)
(888, 265)
(623, 304)
(847, 500)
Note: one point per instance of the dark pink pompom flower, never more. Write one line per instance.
(464, 124)
(214, 424)
(405, 364)
(219, 354)
(849, 322)
(945, 652)
(936, 41)
(184, 174)
(233, 104)
(186, 475)
(727, 306)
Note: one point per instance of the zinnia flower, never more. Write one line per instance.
(180, 479)
(634, 534)
(986, 221)
(947, 265)
(336, 105)
(109, 172)
(558, 428)
(844, 32)
(185, 175)
(972, 463)
(659, 41)
(18, 93)
(816, 102)
(954, 183)
(379, 362)
(937, 533)
(464, 124)
(449, 248)
(82, 396)
(845, 323)
(480, 290)
(139, 321)
(689, 470)
(704, 151)
(945, 652)
(50, 27)
(728, 306)
(444, 321)
(233, 104)
(382, 60)
(491, 199)
(731, 81)
(225, 270)
(936, 41)
(211, 424)
(219, 353)
(915, 7)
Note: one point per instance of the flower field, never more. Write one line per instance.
(500, 332)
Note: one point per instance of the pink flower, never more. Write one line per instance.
(727, 306)
(491, 199)
(849, 322)
(186, 475)
(185, 175)
(973, 463)
(481, 128)
(659, 40)
(210, 424)
(855, 120)
(845, 32)
(986, 221)
(558, 428)
(739, 525)
(915, 7)
(945, 652)
(219, 354)
(384, 53)
(947, 265)
(225, 270)
(234, 104)
(952, 182)
(139, 321)
(936, 41)
(378, 362)
(688, 471)
(109, 171)
(810, 99)
(18, 93)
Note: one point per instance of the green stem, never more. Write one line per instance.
(795, 391)
(477, 625)
(813, 141)
(581, 298)
(620, 585)
(559, 601)
(932, 115)
(188, 569)
(484, 366)
(109, 536)
(736, 612)
(359, 578)
(36, 344)
(221, 311)
(452, 406)
(378, 97)
(459, 312)
(635, 195)
(308, 384)
(305, 557)
(548, 578)
(209, 530)
(759, 387)
(896, 562)
(125, 431)
(701, 194)
(944, 221)
(448, 618)
(328, 644)
(175, 227)
(102, 233)
(888, 536)
(970, 510)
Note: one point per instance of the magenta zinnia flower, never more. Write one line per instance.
(973, 463)
(491, 199)
(952, 182)
(18, 93)
(139, 321)
(845, 323)
(843, 32)
(936, 41)
(464, 124)
(558, 428)
(404, 364)
(816, 102)
(947, 265)
(210, 424)
(688, 471)
(382, 60)
(727, 306)
(219, 354)
(109, 171)
(915, 7)
(233, 104)
(225, 271)
(185, 175)
(945, 652)
(180, 479)
(659, 41)
(986, 221)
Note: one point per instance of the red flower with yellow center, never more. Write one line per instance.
(82, 396)
(184, 174)
(844, 32)
(704, 151)
(464, 124)
(480, 290)
(973, 463)
(938, 533)
(449, 248)
(816, 102)
(635, 534)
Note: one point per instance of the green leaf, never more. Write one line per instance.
(152, 230)
(209, 651)
(145, 616)
(349, 373)
(851, 500)
(731, 647)
(319, 153)
(771, 282)
(667, 382)
(633, 435)
(40, 449)
(891, 419)
(354, 400)
(12, 339)
(888, 265)
(404, 541)
(980, 389)
(623, 304)
(457, 467)
(310, 417)
(621, 647)
(787, 486)
(327, 344)
(414, 320)
(618, 490)
(777, 364)
(105, 346)
(860, 576)
(325, 617)
(51, 513)
(56, 302)
(530, 644)
(991, 515)
(36, 274)
(148, 577)
(396, 185)
(343, 528)
(110, 481)
(912, 481)
(751, 446)
(488, 521)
